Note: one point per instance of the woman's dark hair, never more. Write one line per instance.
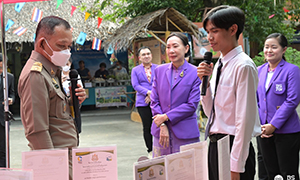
(141, 48)
(184, 40)
(283, 42)
(225, 16)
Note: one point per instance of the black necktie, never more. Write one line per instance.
(218, 75)
(211, 117)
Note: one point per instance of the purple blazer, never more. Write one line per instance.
(179, 102)
(141, 84)
(277, 105)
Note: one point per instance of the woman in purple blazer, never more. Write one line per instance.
(141, 79)
(278, 95)
(174, 99)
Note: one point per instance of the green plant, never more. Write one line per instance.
(291, 55)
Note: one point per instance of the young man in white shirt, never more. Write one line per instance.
(233, 107)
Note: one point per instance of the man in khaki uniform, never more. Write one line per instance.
(45, 109)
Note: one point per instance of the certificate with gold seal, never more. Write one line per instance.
(153, 169)
(97, 163)
(201, 152)
(181, 166)
(47, 164)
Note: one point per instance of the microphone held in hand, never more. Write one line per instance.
(77, 118)
(208, 60)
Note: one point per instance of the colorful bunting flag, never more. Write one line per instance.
(87, 15)
(81, 38)
(271, 16)
(72, 10)
(34, 37)
(36, 15)
(58, 3)
(18, 1)
(99, 21)
(110, 50)
(96, 44)
(19, 6)
(9, 24)
(19, 31)
(285, 10)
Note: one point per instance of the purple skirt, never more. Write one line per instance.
(174, 145)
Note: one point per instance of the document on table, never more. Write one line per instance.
(201, 163)
(153, 169)
(97, 163)
(180, 166)
(16, 174)
(224, 158)
(47, 164)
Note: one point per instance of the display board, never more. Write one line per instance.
(110, 96)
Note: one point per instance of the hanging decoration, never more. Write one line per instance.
(110, 50)
(19, 31)
(36, 15)
(99, 21)
(19, 6)
(9, 24)
(285, 10)
(81, 38)
(58, 3)
(96, 45)
(271, 16)
(87, 15)
(72, 10)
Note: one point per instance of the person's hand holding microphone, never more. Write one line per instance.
(204, 71)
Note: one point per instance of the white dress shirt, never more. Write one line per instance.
(236, 111)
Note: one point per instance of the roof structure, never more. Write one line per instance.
(77, 21)
(159, 21)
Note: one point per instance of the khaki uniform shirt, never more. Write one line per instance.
(45, 109)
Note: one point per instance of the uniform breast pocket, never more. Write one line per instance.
(225, 97)
(62, 108)
(278, 87)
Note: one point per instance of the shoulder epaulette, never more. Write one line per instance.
(37, 66)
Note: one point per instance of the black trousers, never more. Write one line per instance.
(213, 166)
(2, 147)
(262, 172)
(281, 155)
(146, 116)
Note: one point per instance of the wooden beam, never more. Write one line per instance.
(159, 32)
(156, 37)
(175, 25)
(167, 23)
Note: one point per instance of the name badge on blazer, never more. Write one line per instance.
(279, 87)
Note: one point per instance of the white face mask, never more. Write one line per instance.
(59, 58)
(66, 68)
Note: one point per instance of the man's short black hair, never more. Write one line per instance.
(47, 25)
(81, 62)
(225, 16)
(102, 65)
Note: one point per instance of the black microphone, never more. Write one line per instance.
(73, 78)
(207, 59)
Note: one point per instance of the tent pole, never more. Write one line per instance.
(7, 114)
